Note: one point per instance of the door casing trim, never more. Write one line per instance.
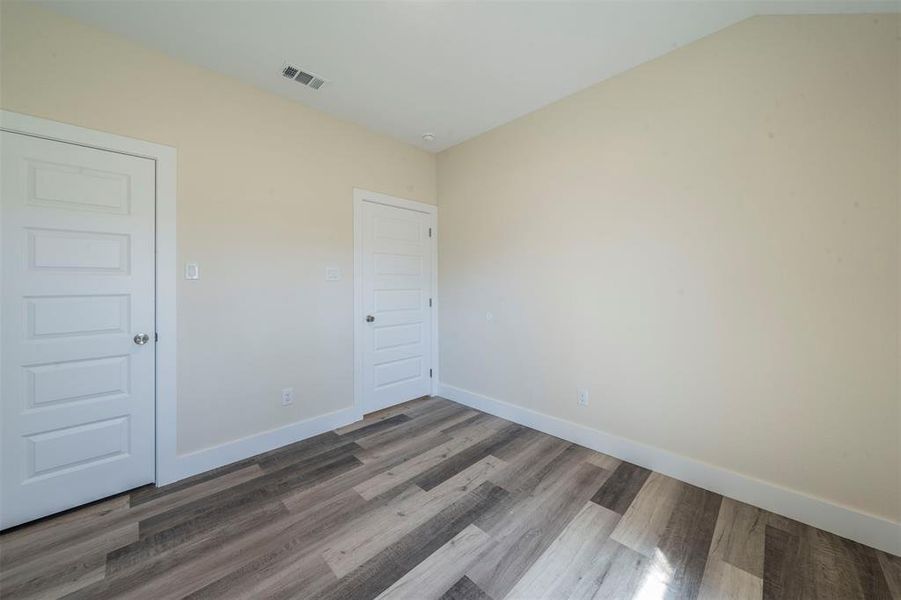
(359, 197)
(165, 159)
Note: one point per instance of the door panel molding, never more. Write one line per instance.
(360, 197)
(168, 468)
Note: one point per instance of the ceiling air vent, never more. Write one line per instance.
(303, 77)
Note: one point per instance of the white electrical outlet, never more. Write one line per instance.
(332, 274)
(287, 396)
(583, 397)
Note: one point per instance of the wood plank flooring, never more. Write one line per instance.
(433, 500)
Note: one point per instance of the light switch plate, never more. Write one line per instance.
(192, 271)
(332, 274)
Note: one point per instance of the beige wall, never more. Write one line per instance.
(264, 205)
(709, 244)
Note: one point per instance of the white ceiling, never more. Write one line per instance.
(455, 69)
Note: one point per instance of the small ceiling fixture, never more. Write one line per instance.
(428, 137)
(302, 77)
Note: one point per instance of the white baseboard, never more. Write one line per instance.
(200, 461)
(864, 528)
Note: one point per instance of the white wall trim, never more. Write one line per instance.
(359, 197)
(203, 460)
(864, 528)
(165, 158)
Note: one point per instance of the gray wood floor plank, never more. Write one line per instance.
(65, 561)
(529, 463)
(62, 572)
(192, 484)
(399, 450)
(30, 542)
(430, 578)
(604, 461)
(646, 518)
(685, 543)
(304, 499)
(539, 480)
(525, 533)
(628, 574)
(124, 576)
(376, 427)
(427, 405)
(424, 403)
(811, 563)
(857, 566)
(891, 570)
(572, 558)
(465, 589)
(739, 536)
(466, 457)
(210, 528)
(260, 489)
(431, 499)
(118, 513)
(724, 580)
(442, 416)
(298, 454)
(274, 575)
(59, 581)
(620, 489)
(468, 419)
(179, 497)
(191, 572)
(365, 539)
(414, 467)
(309, 534)
(787, 566)
(388, 566)
(735, 562)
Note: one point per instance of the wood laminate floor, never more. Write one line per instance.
(434, 500)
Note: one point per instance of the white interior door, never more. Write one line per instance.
(397, 291)
(77, 380)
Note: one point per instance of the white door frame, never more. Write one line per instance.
(361, 196)
(165, 159)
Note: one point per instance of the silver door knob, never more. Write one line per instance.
(370, 318)
(141, 339)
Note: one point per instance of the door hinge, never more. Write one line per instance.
(430, 373)
(430, 232)
(156, 337)
(430, 301)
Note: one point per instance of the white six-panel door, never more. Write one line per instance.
(77, 241)
(396, 292)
